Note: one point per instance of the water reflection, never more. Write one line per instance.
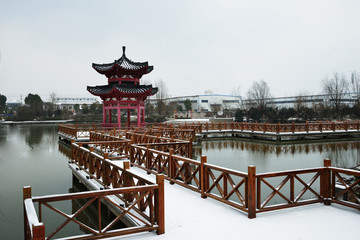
(277, 149)
(3, 134)
(32, 135)
(65, 149)
(343, 154)
(28, 157)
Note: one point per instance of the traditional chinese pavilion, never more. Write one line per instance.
(123, 91)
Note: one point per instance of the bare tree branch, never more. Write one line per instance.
(258, 94)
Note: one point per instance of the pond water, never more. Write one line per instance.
(238, 154)
(31, 155)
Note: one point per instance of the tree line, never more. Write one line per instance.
(257, 106)
(342, 94)
(37, 109)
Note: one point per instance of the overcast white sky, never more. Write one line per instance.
(49, 46)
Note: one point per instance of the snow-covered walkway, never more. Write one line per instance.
(188, 216)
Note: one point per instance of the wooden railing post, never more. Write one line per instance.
(204, 177)
(126, 165)
(189, 154)
(75, 133)
(251, 192)
(160, 204)
(264, 127)
(147, 159)
(26, 194)
(172, 166)
(38, 231)
(104, 169)
(325, 182)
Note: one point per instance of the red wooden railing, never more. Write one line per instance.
(147, 200)
(245, 190)
(250, 192)
(188, 131)
(270, 127)
(139, 196)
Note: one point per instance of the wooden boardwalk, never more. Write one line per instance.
(253, 131)
(104, 160)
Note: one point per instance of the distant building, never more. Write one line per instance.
(348, 99)
(203, 104)
(68, 103)
(13, 104)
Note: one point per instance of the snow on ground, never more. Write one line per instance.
(188, 216)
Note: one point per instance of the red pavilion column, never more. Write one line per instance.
(118, 115)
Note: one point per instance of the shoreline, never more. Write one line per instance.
(35, 122)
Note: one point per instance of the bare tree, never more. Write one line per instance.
(258, 94)
(237, 93)
(163, 91)
(161, 94)
(355, 84)
(336, 89)
(53, 97)
(355, 88)
(300, 101)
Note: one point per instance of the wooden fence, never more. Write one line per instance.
(180, 147)
(146, 206)
(76, 131)
(250, 192)
(270, 127)
(245, 191)
(189, 131)
(142, 199)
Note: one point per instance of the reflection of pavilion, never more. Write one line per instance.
(123, 91)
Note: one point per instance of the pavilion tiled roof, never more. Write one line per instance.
(123, 66)
(123, 90)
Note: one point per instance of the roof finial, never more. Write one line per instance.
(124, 50)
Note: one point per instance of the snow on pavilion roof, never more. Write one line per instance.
(123, 66)
(122, 90)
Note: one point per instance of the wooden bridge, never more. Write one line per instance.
(106, 156)
(262, 131)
